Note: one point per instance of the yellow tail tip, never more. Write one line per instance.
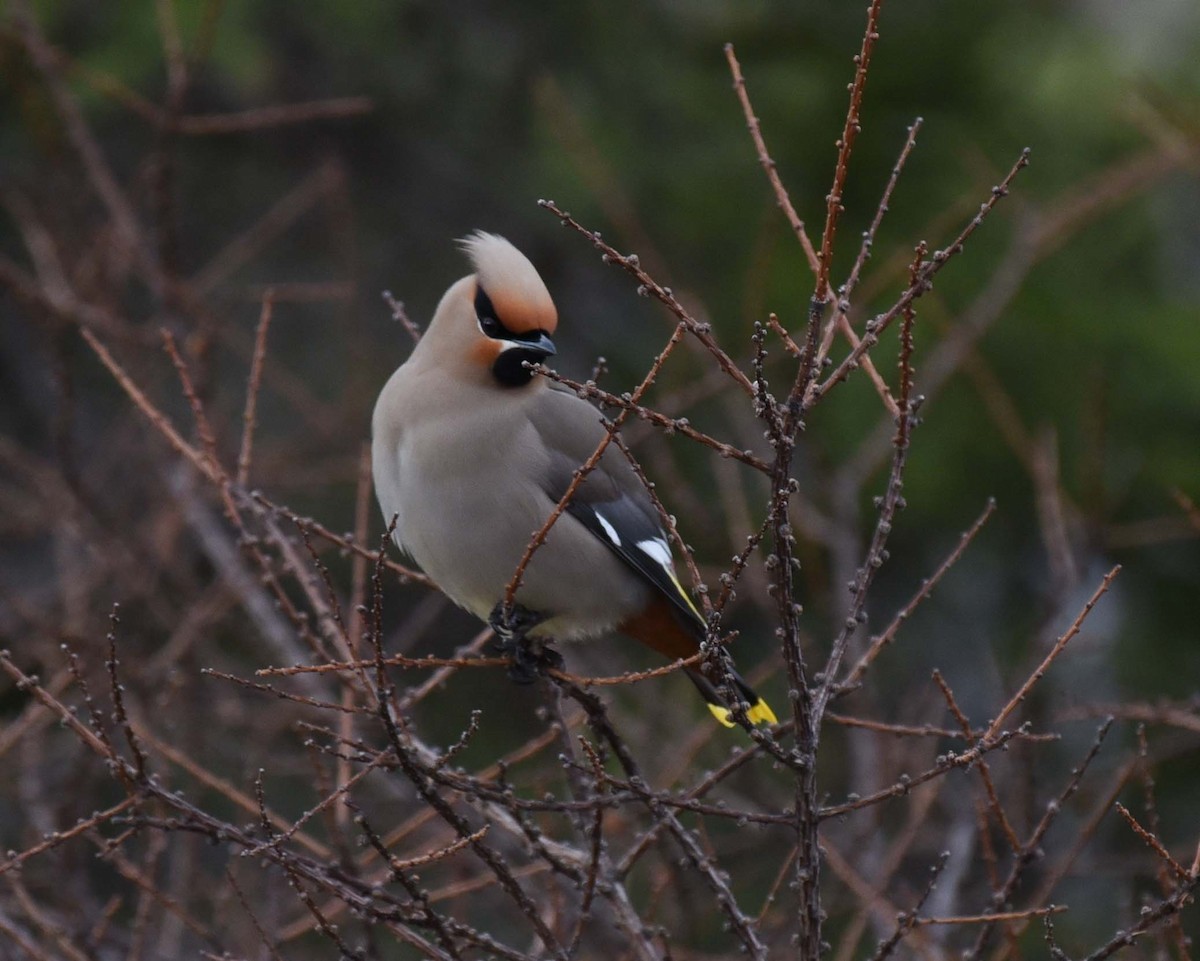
(722, 714)
(759, 713)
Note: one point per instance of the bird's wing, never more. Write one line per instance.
(613, 505)
(611, 502)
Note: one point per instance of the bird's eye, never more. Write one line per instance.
(489, 323)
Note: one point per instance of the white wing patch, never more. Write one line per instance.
(609, 529)
(658, 550)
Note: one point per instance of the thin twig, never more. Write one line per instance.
(845, 145)
(671, 425)
(782, 199)
(1153, 843)
(252, 388)
(937, 261)
(909, 919)
(400, 315)
(647, 286)
(1055, 651)
(985, 772)
(884, 638)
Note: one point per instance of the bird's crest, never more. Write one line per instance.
(518, 294)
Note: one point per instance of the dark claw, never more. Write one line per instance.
(530, 656)
(549, 659)
(514, 624)
(524, 668)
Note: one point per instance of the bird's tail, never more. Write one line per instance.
(758, 711)
(678, 635)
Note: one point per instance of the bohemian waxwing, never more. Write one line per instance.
(471, 453)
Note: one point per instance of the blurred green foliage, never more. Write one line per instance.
(623, 113)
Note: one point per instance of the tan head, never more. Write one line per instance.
(487, 325)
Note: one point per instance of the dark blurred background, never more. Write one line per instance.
(624, 114)
(1060, 353)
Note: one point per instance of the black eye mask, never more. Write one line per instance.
(509, 368)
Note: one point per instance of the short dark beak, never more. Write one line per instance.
(539, 341)
(531, 348)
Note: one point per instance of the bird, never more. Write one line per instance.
(470, 455)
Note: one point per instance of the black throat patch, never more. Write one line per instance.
(509, 367)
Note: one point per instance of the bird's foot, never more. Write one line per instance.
(531, 656)
(513, 623)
